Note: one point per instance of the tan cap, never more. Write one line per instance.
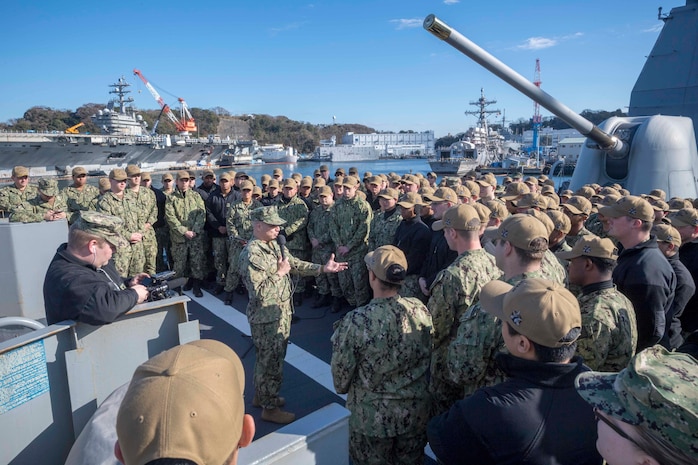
(78, 170)
(182, 174)
(350, 181)
(531, 180)
(543, 311)
(473, 187)
(521, 230)
(658, 193)
(482, 211)
(340, 172)
(374, 180)
(566, 193)
(410, 199)
(353, 171)
(289, 182)
(48, 187)
(265, 178)
(307, 182)
(388, 263)
(105, 226)
(561, 222)
(547, 190)
(146, 177)
(630, 205)
(443, 194)
(132, 170)
(225, 176)
(667, 233)
(543, 218)
(104, 184)
(591, 246)
(389, 193)
(319, 182)
(409, 179)
(20, 171)
(514, 190)
(167, 176)
(678, 203)
(274, 183)
(461, 217)
(277, 171)
(463, 192)
(579, 205)
(208, 173)
(246, 185)
(497, 209)
(585, 191)
(180, 396)
(684, 217)
(117, 174)
(325, 191)
(256, 191)
(324, 168)
(531, 200)
(658, 204)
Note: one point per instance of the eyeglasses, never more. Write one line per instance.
(614, 427)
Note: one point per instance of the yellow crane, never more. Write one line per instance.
(74, 129)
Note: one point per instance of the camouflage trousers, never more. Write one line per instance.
(150, 249)
(354, 280)
(122, 260)
(327, 283)
(299, 281)
(399, 450)
(410, 288)
(137, 262)
(189, 258)
(163, 254)
(220, 257)
(270, 343)
(443, 394)
(232, 277)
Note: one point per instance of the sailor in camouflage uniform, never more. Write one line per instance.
(239, 227)
(520, 244)
(323, 247)
(20, 191)
(79, 195)
(48, 205)
(454, 290)
(294, 211)
(386, 220)
(265, 270)
(350, 227)
(144, 256)
(118, 202)
(609, 329)
(380, 357)
(578, 209)
(185, 213)
(655, 400)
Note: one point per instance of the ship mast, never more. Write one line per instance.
(482, 112)
(119, 88)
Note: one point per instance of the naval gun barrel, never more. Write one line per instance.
(443, 31)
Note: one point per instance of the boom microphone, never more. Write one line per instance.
(282, 242)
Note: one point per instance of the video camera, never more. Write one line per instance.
(160, 285)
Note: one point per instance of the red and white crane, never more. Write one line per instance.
(185, 124)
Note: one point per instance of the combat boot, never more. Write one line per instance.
(188, 285)
(278, 401)
(276, 415)
(336, 305)
(241, 289)
(323, 300)
(217, 289)
(228, 298)
(196, 286)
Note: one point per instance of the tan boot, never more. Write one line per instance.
(276, 415)
(278, 402)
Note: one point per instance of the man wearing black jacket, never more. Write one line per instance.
(217, 205)
(643, 274)
(412, 237)
(82, 283)
(535, 416)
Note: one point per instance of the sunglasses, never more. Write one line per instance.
(614, 427)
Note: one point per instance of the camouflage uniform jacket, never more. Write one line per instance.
(270, 294)
(295, 212)
(571, 240)
(380, 357)
(238, 223)
(319, 227)
(125, 208)
(383, 227)
(351, 222)
(609, 329)
(595, 226)
(10, 197)
(470, 359)
(184, 211)
(33, 211)
(552, 268)
(79, 200)
(146, 206)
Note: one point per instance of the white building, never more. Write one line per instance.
(358, 147)
(569, 148)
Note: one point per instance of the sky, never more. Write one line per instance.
(363, 62)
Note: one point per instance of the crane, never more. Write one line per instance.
(74, 129)
(536, 120)
(185, 124)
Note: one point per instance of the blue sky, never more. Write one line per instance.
(366, 62)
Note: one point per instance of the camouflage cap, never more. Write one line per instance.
(325, 191)
(543, 311)
(78, 170)
(684, 217)
(591, 246)
(521, 230)
(656, 391)
(388, 263)
(461, 217)
(578, 205)
(442, 194)
(102, 225)
(117, 174)
(561, 222)
(410, 199)
(630, 205)
(20, 171)
(389, 193)
(514, 190)
(666, 233)
(48, 187)
(268, 215)
(132, 170)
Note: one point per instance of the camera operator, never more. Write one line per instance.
(82, 283)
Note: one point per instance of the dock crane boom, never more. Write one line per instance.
(185, 124)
